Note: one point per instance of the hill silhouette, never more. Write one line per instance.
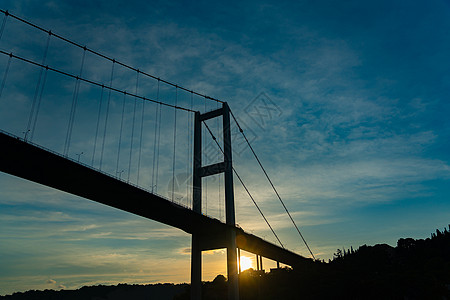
(165, 291)
(414, 269)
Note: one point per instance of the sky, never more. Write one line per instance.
(345, 102)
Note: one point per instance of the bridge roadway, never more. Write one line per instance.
(31, 162)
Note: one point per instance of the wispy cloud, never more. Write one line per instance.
(363, 124)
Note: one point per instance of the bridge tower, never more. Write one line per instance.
(200, 171)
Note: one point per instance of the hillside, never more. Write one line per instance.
(165, 291)
(414, 269)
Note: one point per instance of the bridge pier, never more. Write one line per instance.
(196, 268)
(27, 161)
(200, 171)
(232, 270)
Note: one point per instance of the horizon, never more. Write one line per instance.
(357, 147)
(249, 265)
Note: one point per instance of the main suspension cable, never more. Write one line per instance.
(94, 82)
(271, 183)
(6, 13)
(106, 57)
(245, 187)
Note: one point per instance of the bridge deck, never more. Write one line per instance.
(36, 164)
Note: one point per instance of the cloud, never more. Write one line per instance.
(363, 110)
(185, 251)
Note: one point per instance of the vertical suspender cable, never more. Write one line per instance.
(273, 186)
(187, 158)
(107, 113)
(192, 150)
(3, 24)
(155, 140)
(219, 204)
(5, 75)
(98, 123)
(68, 41)
(188, 165)
(38, 85)
(120, 134)
(245, 187)
(132, 126)
(140, 137)
(206, 162)
(38, 104)
(174, 144)
(10, 56)
(157, 149)
(74, 107)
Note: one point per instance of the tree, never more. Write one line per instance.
(338, 254)
(406, 244)
(220, 279)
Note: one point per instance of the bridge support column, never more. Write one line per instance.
(233, 280)
(200, 171)
(196, 268)
(196, 252)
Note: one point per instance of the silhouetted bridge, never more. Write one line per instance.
(24, 158)
(39, 165)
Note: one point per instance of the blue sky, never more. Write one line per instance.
(357, 145)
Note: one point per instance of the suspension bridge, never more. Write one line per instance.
(76, 120)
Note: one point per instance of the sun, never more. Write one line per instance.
(246, 263)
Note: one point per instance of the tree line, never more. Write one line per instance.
(413, 269)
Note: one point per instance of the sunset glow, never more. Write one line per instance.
(246, 263)
(344, 104)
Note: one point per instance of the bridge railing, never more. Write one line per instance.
(95, 110)
(103, 113)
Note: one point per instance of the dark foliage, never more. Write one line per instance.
(414, 269)
(101, 292)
